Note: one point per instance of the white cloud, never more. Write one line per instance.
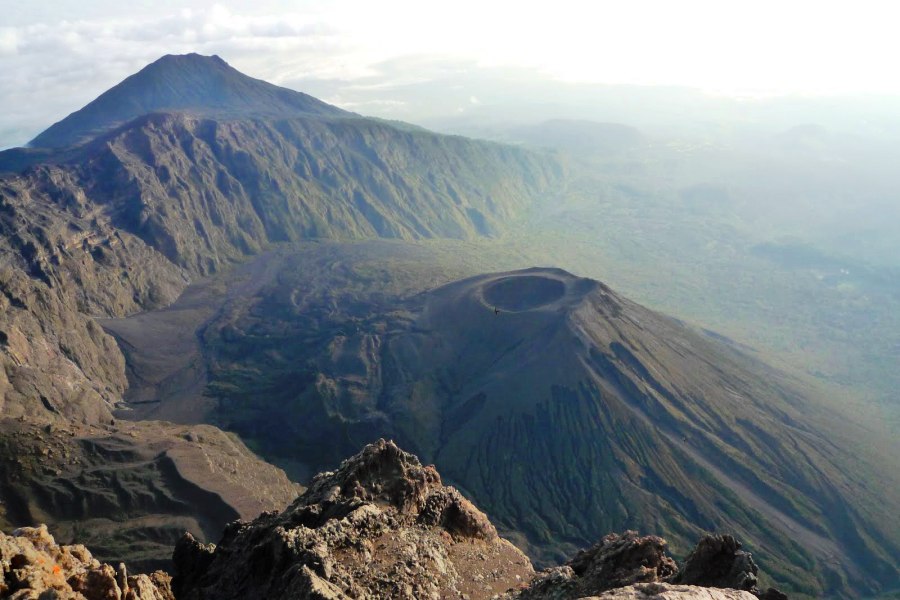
(50, 70)
(9, 41)
(55, 55)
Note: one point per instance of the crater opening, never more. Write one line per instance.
(523, 293)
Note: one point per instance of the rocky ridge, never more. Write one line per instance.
(381, 526)
(638, 566)
(384, 526)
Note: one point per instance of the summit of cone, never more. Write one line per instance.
(189, 82)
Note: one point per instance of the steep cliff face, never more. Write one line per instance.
(62, 262)
(128, 493)
(208, 191)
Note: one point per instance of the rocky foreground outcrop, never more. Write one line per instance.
(634, 566)
(384, 526)
(381, 526)
(34, 567)
(661, 591)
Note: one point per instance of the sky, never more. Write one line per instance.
(55, 55)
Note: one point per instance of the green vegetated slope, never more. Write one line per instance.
(571, 413)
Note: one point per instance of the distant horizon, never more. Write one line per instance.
(56, 57)
(372, 106)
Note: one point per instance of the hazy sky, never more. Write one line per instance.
(55, 56)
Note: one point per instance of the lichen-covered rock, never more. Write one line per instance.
(35, 567)
(381, 526)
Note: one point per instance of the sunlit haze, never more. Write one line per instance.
(625, 275)
(56, 56)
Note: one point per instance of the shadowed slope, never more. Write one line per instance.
(570, 413)
(658, 428)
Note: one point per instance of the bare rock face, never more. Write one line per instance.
(718, 561)
(630, 566)
(34, 567)
(381, 526)
(620, 560)
(616, 561)
(660, 591)
(61, 263)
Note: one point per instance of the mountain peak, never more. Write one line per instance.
(188, 83)
(184, 61)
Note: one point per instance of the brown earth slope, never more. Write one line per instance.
(130, 490)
